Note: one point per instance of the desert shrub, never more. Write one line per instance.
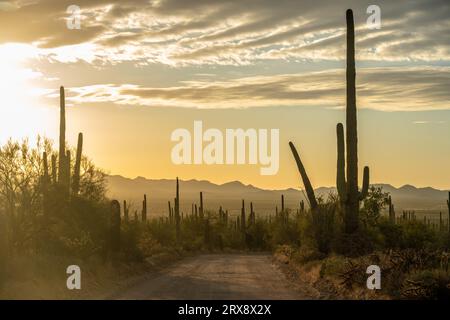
(332, 266)
(323, 225)
(375, 201)
(392, 234)
(306, 254)
(417, 235)
(427, 285)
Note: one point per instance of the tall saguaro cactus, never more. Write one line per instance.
(62, 133)
(76, 170)
(347, 173)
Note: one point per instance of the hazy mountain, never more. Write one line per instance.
(229, 195)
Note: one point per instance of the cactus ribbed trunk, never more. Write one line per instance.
(76, 171)
(62, 134)
(308, 187)
(341, 185)
(352, 201)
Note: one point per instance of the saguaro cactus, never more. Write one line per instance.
(348, 186)
(448, 205)
(126, 210)
(201, 205)
(54, 175)
(115, 226)
(177, 211)
(144, 208)
(282, 203)
(76, 171)
(252, 218)
(67, 172)
(308, 187)
(391, 210)
(62, 133)
(170, 211)
(243, 216)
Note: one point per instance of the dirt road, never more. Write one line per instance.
(216, 277)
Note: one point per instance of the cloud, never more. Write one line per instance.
(388, 89)
(428, 122)
(232, 32)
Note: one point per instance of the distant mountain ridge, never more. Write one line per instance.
(229, 195)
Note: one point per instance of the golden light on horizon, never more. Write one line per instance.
(20, 112)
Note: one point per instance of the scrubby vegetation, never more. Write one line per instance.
(54, 212)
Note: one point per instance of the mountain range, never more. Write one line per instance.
(229, 195)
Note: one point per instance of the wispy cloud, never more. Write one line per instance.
(378, 88)
(428, 122)
(228, 32)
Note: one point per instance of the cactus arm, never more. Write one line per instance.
(365, 186)
(308, 187)
(341, 185)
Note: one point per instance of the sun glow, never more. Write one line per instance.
(21, 115)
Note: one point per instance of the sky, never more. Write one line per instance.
(137, 70)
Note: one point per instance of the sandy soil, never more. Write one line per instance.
(216, 277)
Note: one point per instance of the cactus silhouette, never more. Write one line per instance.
(115, 226)
(170, 211)
(201, 205)
(62, 133)
(347, 185)
(126, 210)
(448, 205)
(144, 209)
(76, 171)
(391, 210)
(54, 174)
(306, 182)
(243, 216)
(67, 172)
(177, 211)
